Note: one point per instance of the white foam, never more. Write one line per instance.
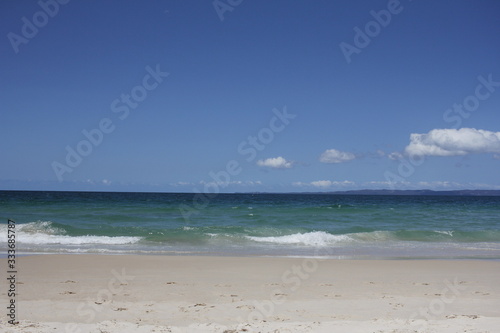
(44, 233)
(317, 238)
(444, 232)
(39, 239)
(373, 236)
(45, 227)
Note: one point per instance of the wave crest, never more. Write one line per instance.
(314, 238)
(44, 233)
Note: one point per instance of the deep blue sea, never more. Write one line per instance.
(303, 225)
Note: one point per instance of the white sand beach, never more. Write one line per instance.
(99, 293)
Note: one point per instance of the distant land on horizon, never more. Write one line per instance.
(417, 192)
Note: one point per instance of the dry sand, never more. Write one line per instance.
(98, 293)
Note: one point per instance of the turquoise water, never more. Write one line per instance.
(320, 225)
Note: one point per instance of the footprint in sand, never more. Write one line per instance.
(471, 316)
(396, 305)
(183, 309)
(249, 307)
(199, 304)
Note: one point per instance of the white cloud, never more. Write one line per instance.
(395, 156)
(440, 185)
(336, 156)
(378, 184)
(233, 182)
(275, 162)
(219, 184)
(453, 142)
(182, 184)
(324, 183)
(246, 183)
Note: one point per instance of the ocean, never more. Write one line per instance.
(292, 225)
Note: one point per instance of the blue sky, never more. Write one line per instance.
(265, 95)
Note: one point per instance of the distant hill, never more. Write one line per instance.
(421, 192)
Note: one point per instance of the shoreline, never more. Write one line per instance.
(222, 255)
(139, 293)
(201, 254)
